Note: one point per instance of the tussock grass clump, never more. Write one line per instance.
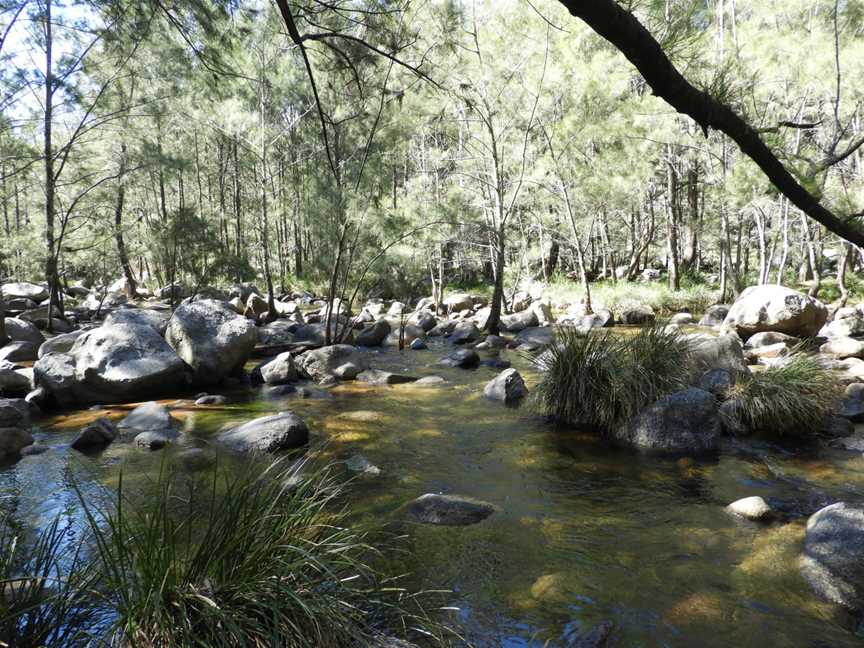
(794, 398)
(260, 560)
(602, 379)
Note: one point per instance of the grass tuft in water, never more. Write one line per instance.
(601, 379)
(794, 398)
(249, 560)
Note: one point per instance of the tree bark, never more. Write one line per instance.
(131, 284)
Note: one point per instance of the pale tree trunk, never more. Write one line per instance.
(131, 284)
(671, 222)
(52, 275)
(841, 273)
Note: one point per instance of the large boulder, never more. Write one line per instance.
(211, 338)
(775, 308)
(686, 422)
(847, 322)
(519, 321)
(12, 381)
(374, 335)
(19, 330)
(638, 315)
(462, 358)
(535, 338)
(507, 387)
(24, 290)
(843, 347)
(13, 440)
(465, 333)
(62, 343)
(279, 370)
(278, 333)
(157, 320)
(334, 362)
(458, 302)
(19, 352)
(13, 412)
(111, 363)
(716, 352)
(281, 431)
(833, 558)
(714, 315)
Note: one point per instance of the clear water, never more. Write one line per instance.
(584, 533)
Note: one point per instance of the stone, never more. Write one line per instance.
(714, 315)
(149, 416)
(13, 412)
(409, 333)
(681, 319)
(13, 440)
(430, 380)
(767, 338)
(54, 373)
(279, 370)
(157, 320)
(519, 321)
(465, 333)
(833, 558)
(374, 335)
(542, 311)
(418, 345)
(458, 302)
(269, 434)
(155, 439)
(19, 330)
(256, 305)
(448, 510)
(278, 333)
(535, 338)
(718, 381)
(360, 464)
(211, 338)
(13, 382)
(847, 322)
(752, 508)
(24, 290)
(195, 459)
(852, 406)
(62, 343)
(775, 308)
(716, 352)
(843, 347)
(508, 387)
(462, 358)
(335, 362)
(682, 422)
(97, 434)
(19, 352)
(425, 320)
(600, 318)
(769, 352)
(378, 377)
(211, 399)
(638, 315)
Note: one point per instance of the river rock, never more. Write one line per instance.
(458, 302)
(25, 290)
(852, 406)
(335, 362)
(716, 352)
(151, 416)
(425, 320)
(155, 439)
(775, 308)
(843, 347)
(97, 434)
(465, 333)
(360, 464)
(681, 319)
(19, 330)
(601, 318)
(374, 335)
(519, 321)
(507, 387)
(55, 374)
(847, 322)
(13, 412)
(752, 508)
(211, 338)
(269, 434)
(278, 333)
(62, 343)
(767, 338)
(211, 399)
(683, 422)
(409, 333)
(13, 440)
(378, 377)
(641, 314)
(13, 382)
(535, 338)
(279, 370)
(418, 345)
(448, 510)
(833, 558)
(714, 316)
(462, 358)
(19, 352)
(157, 320)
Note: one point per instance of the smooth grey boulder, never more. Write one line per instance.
(19, 330)
(519, 321)
(775, 308)
(447, 510)
(718, 381)
(464, 333)
(685, 422)
(508, 387)
(379, 377)
(409, 333)
(158, 320)
(681, 319)
(13, 382)
(714, 315)
(19, 352)
(277, 333)
(24, 290)
(13, 412)
(641, 314)
(751, 508)
(282, 431)
(458, 302)
(425, 320)
(148, 417)
(374, 335)
(115, 363)
(279, 370)
(843, 347)
(155, 439)
(852, 406)
(54, 373)
(335, 362)
(535, 338)
(847, 322)
(601, 318)
(211, 399)
(13, 440)
(769, 338)
(833, 558)
(97, 434)
(62, 343)
(211, 338)
(462, 358)
(716, 352)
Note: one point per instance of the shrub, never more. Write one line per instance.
(259, 560)
(602, 379)
(789, 399)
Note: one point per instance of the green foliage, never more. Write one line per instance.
(602, 379)
(793, 398)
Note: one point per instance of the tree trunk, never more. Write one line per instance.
(131, 284)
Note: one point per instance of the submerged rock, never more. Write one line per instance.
(448, 510)
(462, 358)
(378, 377)
(507, 387)
(282, 431)
(148, 417)
(683, 422)
(833, 558)
(360, 464)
